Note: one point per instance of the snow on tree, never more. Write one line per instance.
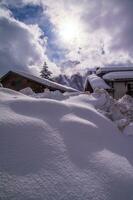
(45, 73)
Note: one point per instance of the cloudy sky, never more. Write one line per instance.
(71, 36)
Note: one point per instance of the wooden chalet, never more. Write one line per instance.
(17, 80)
(118, 81)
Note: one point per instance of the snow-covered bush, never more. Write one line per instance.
(50, 94)
(27, 91)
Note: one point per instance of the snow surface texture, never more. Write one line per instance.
(61, 150)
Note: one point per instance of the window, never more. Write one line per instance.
(110, 83)
(130, 88)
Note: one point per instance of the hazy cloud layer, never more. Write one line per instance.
(116, 18)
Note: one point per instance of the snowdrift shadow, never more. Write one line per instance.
(82, 139)
(44, 109)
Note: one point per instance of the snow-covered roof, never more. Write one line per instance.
(46, 82)
(97, 82)
(113, 69)
(118, 75)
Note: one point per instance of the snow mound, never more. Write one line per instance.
(27, 91)
(60, 150)
(119, 111)
(48, 94)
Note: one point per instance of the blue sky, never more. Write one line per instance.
(35, 14)
(70, 36)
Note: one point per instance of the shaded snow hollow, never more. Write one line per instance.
(61, 150)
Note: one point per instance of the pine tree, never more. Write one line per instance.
(45, 73)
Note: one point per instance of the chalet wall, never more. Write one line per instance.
(120, 89)
(14, 82)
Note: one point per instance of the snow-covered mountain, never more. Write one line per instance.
(76, 81)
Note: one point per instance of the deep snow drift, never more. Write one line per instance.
(61, 150)
(119, 111)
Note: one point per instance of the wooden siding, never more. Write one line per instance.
(120, 88)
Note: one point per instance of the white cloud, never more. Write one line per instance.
(105, 30)
(22, 46)
(104, 26)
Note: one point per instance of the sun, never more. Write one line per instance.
(70, 30)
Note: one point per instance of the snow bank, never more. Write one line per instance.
(119, 111)
(48, 94)
(60, 150)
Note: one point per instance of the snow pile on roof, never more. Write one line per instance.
(46, 82)
(118, 75)
(97, 82)
(55, 150)
(113, 69)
